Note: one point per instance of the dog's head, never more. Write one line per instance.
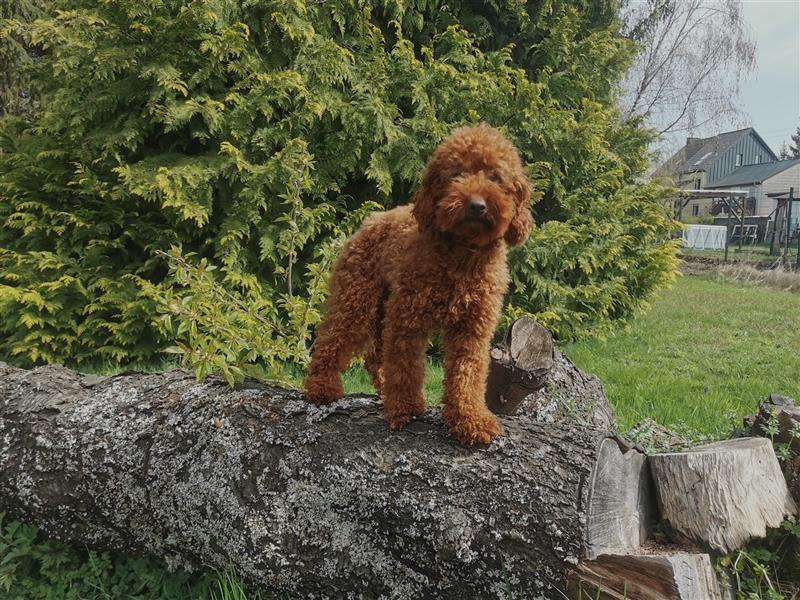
(475, 190)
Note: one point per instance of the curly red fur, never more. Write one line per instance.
(439, 264)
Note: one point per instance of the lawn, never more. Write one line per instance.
(702, 358)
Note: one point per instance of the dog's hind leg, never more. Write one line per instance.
(352, 308)
(374, 349)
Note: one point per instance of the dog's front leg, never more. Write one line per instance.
(405, 339)
(466, 365)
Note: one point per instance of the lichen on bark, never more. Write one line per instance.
(315, 502)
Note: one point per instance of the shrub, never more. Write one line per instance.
(33, 568)
(246, 133)
(14, 56)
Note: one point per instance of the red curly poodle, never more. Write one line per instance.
(437, 265)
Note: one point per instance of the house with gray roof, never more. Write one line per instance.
(762, 180)
(704, 161)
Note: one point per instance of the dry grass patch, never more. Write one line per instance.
(779, 278)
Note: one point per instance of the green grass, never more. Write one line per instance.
(703, 357)
(357, 380)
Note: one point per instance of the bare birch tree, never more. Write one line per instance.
(693, 54)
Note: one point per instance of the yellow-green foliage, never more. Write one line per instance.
(14, 56)
(245, 134)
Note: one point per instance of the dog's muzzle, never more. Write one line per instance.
(476, 208)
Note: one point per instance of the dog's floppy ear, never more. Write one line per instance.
(423, 210)
(520, 227)
(425, 198)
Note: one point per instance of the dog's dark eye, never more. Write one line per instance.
(456, 173)
(495, 176)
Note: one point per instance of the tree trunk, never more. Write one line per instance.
(315, 502)
(777, 231)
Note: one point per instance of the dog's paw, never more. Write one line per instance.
(323, 389)
(400, 416)
(472, 429)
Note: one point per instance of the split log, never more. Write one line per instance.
(622, 508)
(313, 501)
(647, 577)
(721, 495)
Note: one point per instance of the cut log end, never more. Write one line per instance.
(519, 365)
(722, 495)
(622, 510)
(530, 345)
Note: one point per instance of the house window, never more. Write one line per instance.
(738, 160)
(697, 184)
(695, 210)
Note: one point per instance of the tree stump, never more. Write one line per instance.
(722, 495)
(786, 416)
(782, 414)
(528, 374)
(519, 365)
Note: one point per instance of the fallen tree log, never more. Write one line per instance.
(315, 502)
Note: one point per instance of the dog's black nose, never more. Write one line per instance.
(476, 207)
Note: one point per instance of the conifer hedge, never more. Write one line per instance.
(14, 56)
(248, 138)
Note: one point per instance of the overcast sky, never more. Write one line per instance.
(771, 95)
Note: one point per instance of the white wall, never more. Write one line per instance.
(779, 183)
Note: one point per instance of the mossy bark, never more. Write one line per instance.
(315, 502)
